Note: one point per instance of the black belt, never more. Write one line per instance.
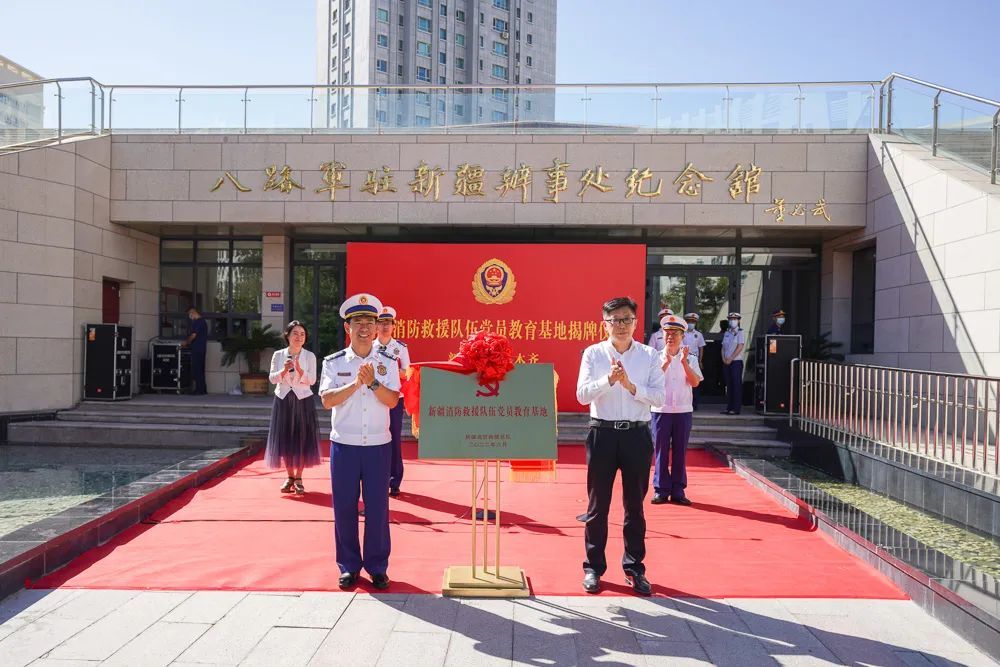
(621, 425)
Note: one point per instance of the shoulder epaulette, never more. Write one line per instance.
(387, 355)
(401, 343)
(335, 355)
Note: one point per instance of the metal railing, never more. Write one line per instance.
(944, 416)
(963, 126)
(754, 107)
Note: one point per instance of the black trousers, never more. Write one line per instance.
(198, 370)
(608, 451)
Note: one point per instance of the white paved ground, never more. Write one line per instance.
(65, 628)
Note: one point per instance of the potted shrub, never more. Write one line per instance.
(250, 348)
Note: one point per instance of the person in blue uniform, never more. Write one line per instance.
(360, 385)
(396, 349)
(695, 343)
(733, 344)
(672, 421)
(777, 322)
(198, 342)
(656, 340)
(620, 379)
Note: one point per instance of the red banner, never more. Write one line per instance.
(545, 298)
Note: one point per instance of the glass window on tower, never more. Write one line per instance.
(529, 38)
(423, 24)
(502, 4)
(528, 61)
(459, 40)
(443, 33)
(499, 72)
(382, 40)
(444, 9)
(531, 19)
(499, 25)
(460, 16)
(442, 58)
(424, 3)
(382, 65)
(383, 15)
(500, 48)
(460, 63)
(423, 74)
(423, 49)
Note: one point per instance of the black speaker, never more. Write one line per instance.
(773, 355)
(107, 362)
(171, 366)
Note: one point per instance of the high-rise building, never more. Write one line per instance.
(483, 44)
(20, 108)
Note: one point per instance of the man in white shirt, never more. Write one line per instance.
(656, 338)
(361, 385)
(695, 343)
(672, 420)
(621, 379)
(396, 349)
(733, 343)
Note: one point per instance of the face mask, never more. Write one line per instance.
(690, 326)
(733, 324)
(780, 321)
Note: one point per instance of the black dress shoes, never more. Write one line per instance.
(658, 499)
(639, 583)
(380, 581)
(591, 582)
(348, 579)
(680, 501)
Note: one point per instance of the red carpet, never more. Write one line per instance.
(239, 533)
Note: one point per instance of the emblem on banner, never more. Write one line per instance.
(493, 283)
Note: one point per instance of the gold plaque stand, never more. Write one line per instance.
(479, 580)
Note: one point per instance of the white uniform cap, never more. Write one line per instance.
(672, 322)
(387, 313)
(360, 304)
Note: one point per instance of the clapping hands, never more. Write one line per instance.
(366, 374)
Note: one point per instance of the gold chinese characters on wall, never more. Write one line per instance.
(743, 184)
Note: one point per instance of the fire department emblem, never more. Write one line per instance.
(493, 283)
(381, 370)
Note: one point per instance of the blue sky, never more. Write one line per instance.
(253, 41)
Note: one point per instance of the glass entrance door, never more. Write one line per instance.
(317, 292)
(708, 292)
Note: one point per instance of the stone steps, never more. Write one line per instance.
(191, 436)
(190, 421)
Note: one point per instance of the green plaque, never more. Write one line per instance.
(459, 419)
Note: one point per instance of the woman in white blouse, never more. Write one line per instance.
(291, 440)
